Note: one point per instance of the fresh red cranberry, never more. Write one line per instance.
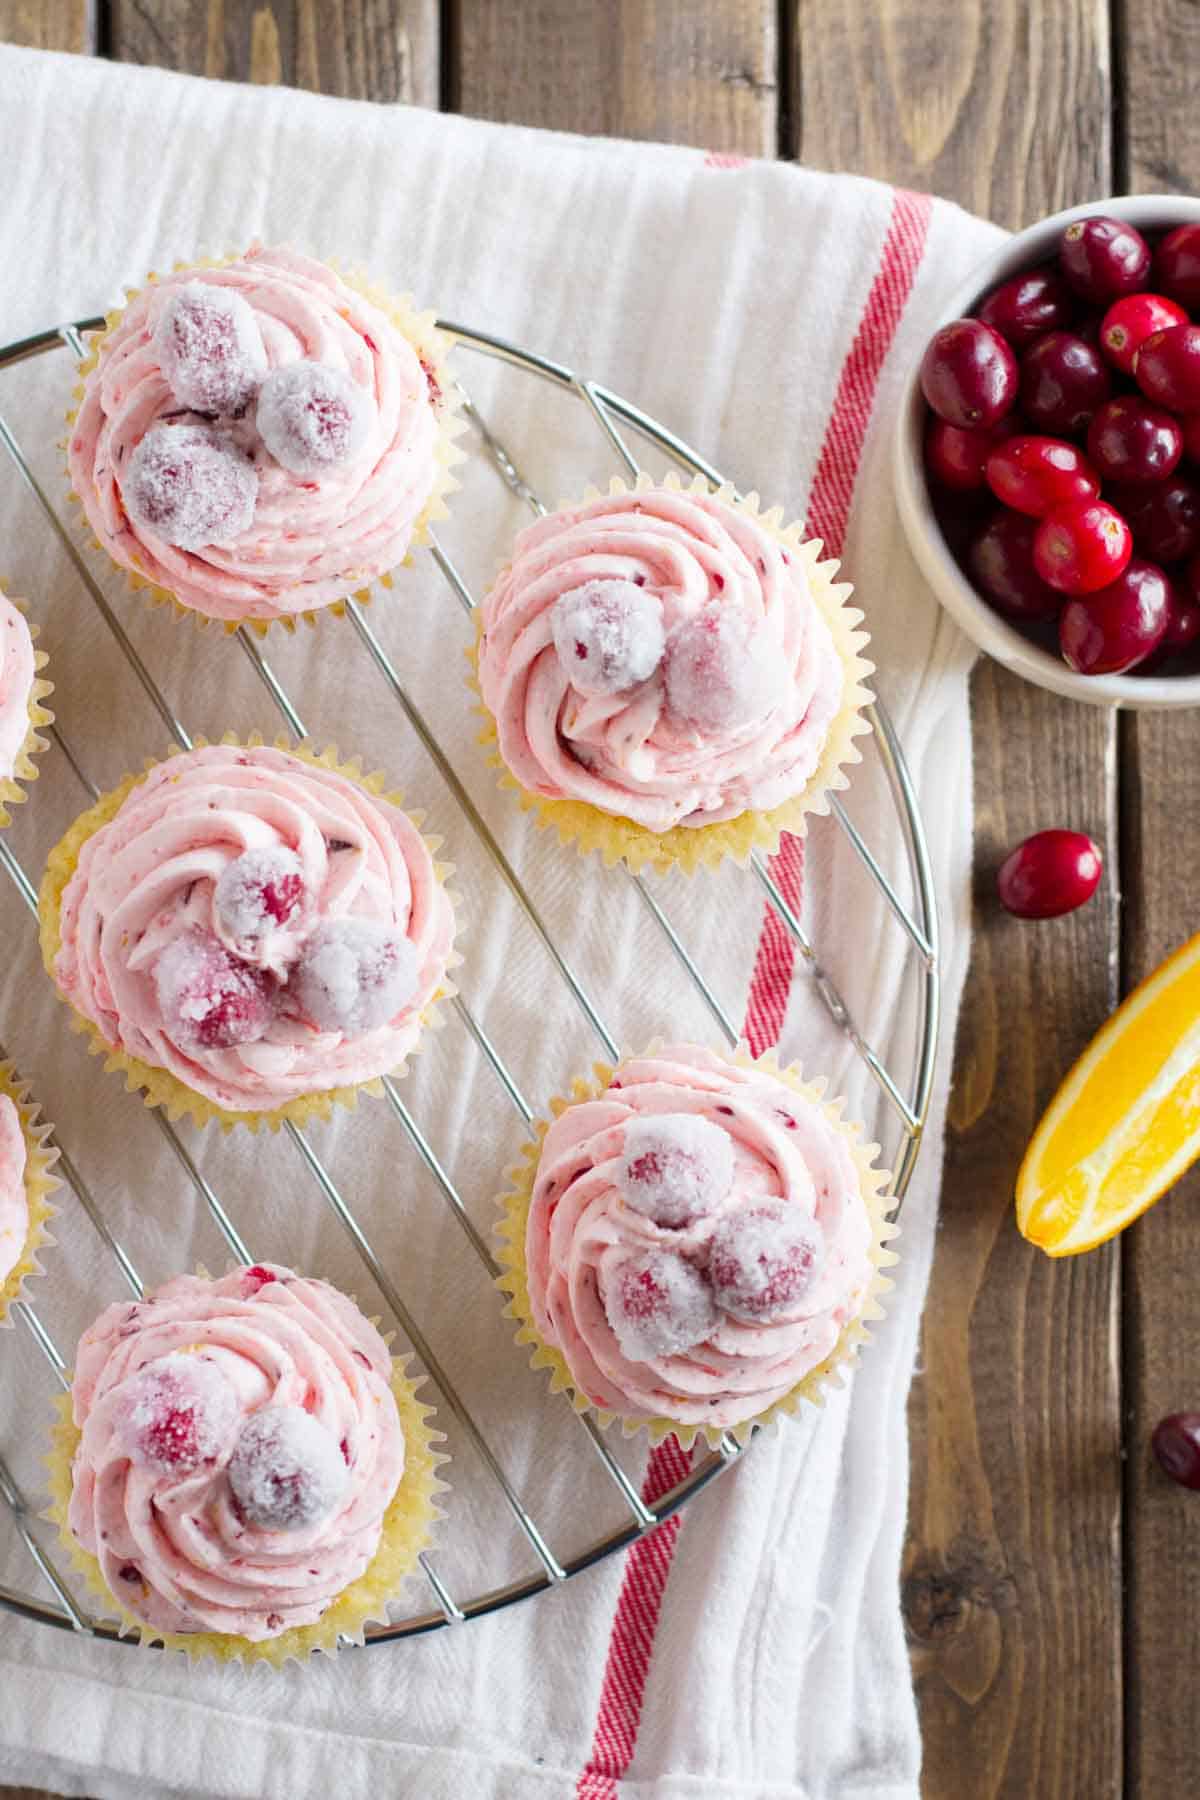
(969, 374)
(1130, 321)
(1034, 302)
(1177, 266)
(1116, 627)
(1176, 1439)
(1167, 368)
(1049, 874)
(1103, 258)
(1063, 382)
(955, 458)
(1036, 474)
(1191, 437)
(1164, 519)
(1081, 547)
(1183, 618)
(1001, 564)
(1131, 441)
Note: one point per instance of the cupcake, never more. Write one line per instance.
(249, 933)
(669, 676)
(21, 711)
(257, 438)
(240, 1469)
(695, 1243)
(25, 1186)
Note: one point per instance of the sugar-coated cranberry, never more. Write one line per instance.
(257, 893)
(1063, 381)
(1036, 474)
(208, 999)
(1164, 519)
(257, 1276)
(1081, 546)
(674, 1167)
(176, 1414)
(955, 458)
(969, 374)
(1167, 368)
(1028, 305)
(1177, 266)
(719, 671)
(763, 1260)
(608, 635)
(210, 348)
(189, 486)
(286, 1470)
(1001, 563)
(1051, 873)
(1116, 627)
(1176, 1439)
(1131, 441)
(1103, 257)
(1130, 321)
(312, 418)
(658, 1304)
(355, 975)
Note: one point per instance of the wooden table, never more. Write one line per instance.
(1054, 1634)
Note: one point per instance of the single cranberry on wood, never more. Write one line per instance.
(1049, 874)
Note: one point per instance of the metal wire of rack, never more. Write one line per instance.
(610, 413)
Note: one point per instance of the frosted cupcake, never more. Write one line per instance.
(21, 711)
(240, 1469)
(249, 933)
(260, 437)
(25, 1186)
(695, 1243)
(669, 676)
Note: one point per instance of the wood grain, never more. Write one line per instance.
(48, 25)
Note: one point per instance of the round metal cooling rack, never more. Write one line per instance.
(907, 1104)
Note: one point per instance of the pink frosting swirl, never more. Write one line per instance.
(629, 752)
(582, 1231)
(14, 1204)
(311, 541)
(148, 877)
(17, 672)
(173, 1544)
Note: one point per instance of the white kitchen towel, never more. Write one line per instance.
(769, 315)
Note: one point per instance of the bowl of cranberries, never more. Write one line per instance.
(1048, 453)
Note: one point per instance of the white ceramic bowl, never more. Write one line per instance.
(1149, 212)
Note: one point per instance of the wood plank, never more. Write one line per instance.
(682, 71)
(1160, 775)
(360, 49)
(1012, 1573)
(48, 25)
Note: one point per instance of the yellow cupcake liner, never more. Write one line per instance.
(12, 792)
(159, 1087)
(407, 1528)
(830, 1373)
(618, 839)
(40, 1158)
(433, 346)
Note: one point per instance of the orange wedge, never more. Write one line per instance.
(1125, 1123)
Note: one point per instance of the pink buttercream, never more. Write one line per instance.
(14, 1205)
(173, 1547)
(628, 753)
(312, 540)
(16, 685)
(580, 1230)
(148, 876)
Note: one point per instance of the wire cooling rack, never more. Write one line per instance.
(905, 1102)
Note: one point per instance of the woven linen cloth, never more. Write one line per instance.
(768, 314)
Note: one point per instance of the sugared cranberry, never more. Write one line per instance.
(1081, 547)
(1063, 381)
(1103, 257)
(1130, 321)
(657, 1304)
(969, 374)
(955, 458)
(1165, 519)
(190, 486)
(256, 1277)
(208, 999)
(1001, 564)
(312, 418)
(1167, 368)
(1176, 1439)
(1051, 873)
(718, 672)
(608, 635)
(286, 1469)
(176, 1414)
(675, 1167)
(763, 1260)
(1131, 441)
(257, 893)
(1177, 266)
(1036, 474)
(210, 348)
(1118, 626)
(1028, 305)
(355, 975)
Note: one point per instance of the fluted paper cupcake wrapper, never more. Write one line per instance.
(12, 788)
(690, 848)
(158, 1086)
(432, 345)
(830, 1373)
(40, 1159)
(407, 1528)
